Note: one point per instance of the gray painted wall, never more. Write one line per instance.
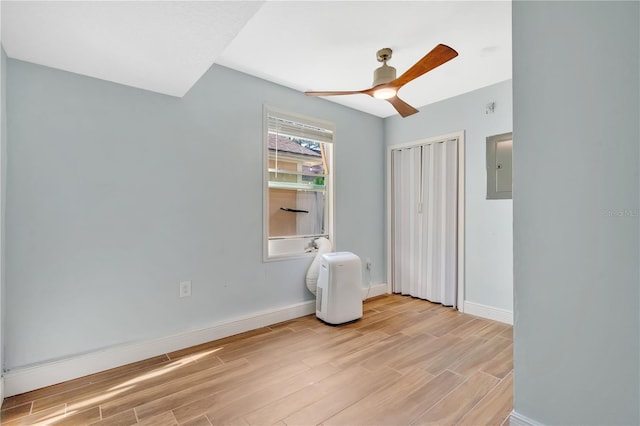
(488, 223)
(115, 195)
(3, 182)
(576, 97)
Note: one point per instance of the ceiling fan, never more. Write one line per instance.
(385, 83)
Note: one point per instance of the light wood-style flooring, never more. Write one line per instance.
(406, 362)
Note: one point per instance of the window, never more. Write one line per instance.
(499, 166)
(298, 201)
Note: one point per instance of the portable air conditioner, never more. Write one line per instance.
(339, 293)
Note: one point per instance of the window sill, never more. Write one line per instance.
(289, 256)
(289, 248)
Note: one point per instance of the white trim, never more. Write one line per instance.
(461, 210)
(461, 221)
(517, 419)
(29, 378)
(375, 290)
(489, 312)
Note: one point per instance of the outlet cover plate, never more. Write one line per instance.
(185, 288)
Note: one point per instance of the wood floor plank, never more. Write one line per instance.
(430, 320)
(334, 402)
(302, 349)
(411, 347)
(447, 326)
(49, 416)
(350, 346)
(493, 329)
(126, 418)
(480, 356)
(396, 323)
(375, 348)
(422, 359)
(257, 379)
(197, 407)
(296, 401)
(507, 334)
(260, 396)
(494, 407)
(147, 393)
(456, 404)
(501, 364)
(398, 404)
(164, 419)
(470, 328)
(84, 417)
(450, 355)
(198, 421)
(15, 412)
(367, 322)
(249, 378)
(367, 410)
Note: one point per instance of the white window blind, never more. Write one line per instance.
(296, 127)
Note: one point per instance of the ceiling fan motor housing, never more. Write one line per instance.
(384, 74)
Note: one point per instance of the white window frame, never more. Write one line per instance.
(294, 247)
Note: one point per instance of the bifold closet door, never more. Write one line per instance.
(424, 221)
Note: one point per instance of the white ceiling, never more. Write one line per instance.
(166, 46)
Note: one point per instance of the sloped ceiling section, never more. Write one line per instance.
(162, 46)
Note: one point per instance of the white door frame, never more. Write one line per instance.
(460, 137)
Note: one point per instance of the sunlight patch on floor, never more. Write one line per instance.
(52, 418)
(166, 369)
(89, 402)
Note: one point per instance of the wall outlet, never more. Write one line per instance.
(368, 263)
(185, 289)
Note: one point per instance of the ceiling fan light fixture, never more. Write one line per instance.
(384, 93)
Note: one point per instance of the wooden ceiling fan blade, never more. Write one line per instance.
(438, 56)
(350, 92)
(403, 108)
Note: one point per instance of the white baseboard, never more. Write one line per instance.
(488, 312)
(34, 377)
(375, 290)
(517, 419)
